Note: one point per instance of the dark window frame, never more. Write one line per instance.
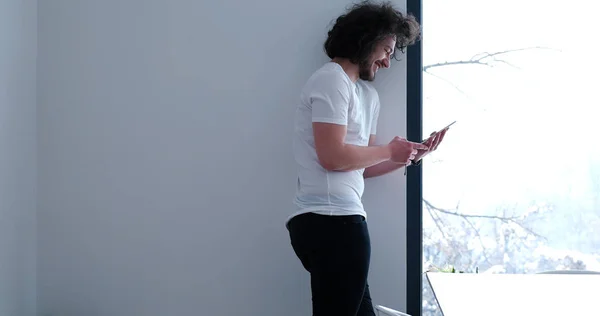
(414, 176)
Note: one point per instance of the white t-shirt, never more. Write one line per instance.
(330, 96)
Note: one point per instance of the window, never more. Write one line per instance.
(515, 186)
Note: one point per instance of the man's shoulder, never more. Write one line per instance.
(368, 88)
(329, 74)
(370, 94)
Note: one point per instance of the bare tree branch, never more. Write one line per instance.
(449, 82)
(505, 219)
(441, 210)
(480, 240)
(509, 64)
(482, 59)
(437, 220)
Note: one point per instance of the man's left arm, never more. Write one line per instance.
(388, 166)
(382, 167)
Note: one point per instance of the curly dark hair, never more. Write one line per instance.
(356, 33)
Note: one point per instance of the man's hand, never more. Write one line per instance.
(403, 151)
(432, 143)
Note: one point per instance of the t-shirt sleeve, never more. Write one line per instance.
(330, 98)
(375, 115)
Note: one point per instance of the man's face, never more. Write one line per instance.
(380, 58)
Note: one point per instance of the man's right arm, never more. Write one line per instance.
(335, 155)
(329, 100)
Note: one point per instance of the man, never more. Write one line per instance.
(334, 147)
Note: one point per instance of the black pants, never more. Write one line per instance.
(336, 251)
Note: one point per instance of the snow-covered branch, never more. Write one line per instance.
(482, 59)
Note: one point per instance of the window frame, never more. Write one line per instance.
(414, 175)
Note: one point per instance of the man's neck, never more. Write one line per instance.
(350, 68)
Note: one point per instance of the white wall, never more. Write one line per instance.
(166, 170)
(18, 20)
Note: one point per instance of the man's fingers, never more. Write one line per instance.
(440, 138)
(438, 141)
(420, 146)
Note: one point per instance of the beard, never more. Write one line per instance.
(365, 70)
